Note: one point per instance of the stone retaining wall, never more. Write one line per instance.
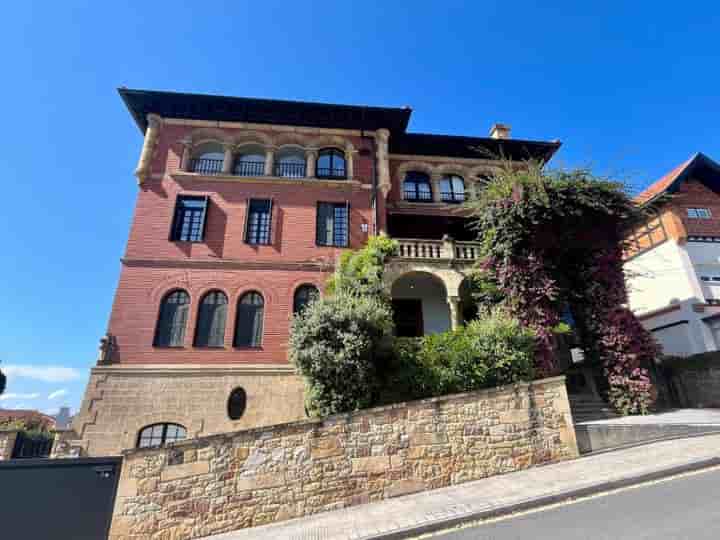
(226, 482)
(697, 386)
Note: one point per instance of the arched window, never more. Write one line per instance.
(416, 187)
(331, 164)
(304, 294)
(237, 402)
(160, 434)
(208, 158)
(452, 189)
(290, 163)
(250, 161)
(212, 313)
(170, 331)
(249, 322)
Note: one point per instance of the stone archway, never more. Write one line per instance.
(420, 305)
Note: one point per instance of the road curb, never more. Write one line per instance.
(538, 502)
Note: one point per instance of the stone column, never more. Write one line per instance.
(7, 444)
(455, 314)
(269, 162)
(310, 161)
(186, 155)
(151, 135)
(435, 182)
(448, 247)
(383, 163)
(349, 166)
(228, 159)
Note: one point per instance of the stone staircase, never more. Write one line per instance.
(586, 408)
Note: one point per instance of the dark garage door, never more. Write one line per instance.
(57, 499)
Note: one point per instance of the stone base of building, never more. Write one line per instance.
(121, 400)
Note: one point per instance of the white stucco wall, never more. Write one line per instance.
(660, 277)
(429, 290)
(705, 257)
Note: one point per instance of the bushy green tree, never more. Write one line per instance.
(335, 344)
(360, 272)
(493, 350)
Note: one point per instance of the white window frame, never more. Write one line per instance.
(699, 213)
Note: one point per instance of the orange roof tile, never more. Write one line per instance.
(664, 183)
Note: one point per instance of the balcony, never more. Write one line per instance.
(290, 170)
(249, 168)
(437, 250)
(206, 166)
(329, 173)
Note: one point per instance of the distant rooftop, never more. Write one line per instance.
(330, 116)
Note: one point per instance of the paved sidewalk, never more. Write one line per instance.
(405, 517)
(689, 417)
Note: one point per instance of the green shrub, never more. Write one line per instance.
(335, 344)
(491, 351)
(360, 272)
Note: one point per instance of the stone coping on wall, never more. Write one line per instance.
(334, 419)
(194, 369)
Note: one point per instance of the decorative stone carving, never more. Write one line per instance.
(108, 345)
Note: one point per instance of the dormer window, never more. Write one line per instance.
(250, 162)
(416, 187)
(208, 158)
(699, 213)
(331, 164)
(452, 189)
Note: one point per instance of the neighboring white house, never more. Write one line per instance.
(673, 260)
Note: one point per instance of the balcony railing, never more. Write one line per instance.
(446, 249)
(249, 168)
(331, 173)
(206, 166)
(290, 170)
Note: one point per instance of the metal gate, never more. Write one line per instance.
(27, 446)
(58, 499)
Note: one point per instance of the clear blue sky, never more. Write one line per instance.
(629, 87)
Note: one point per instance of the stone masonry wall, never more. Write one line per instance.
(121, 400)
(698, 387)
(7, 444)
(248, 478)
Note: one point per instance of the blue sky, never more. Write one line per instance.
(631, 88)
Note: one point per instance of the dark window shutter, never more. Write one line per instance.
(172, 320)
(346, 240)
(204, 217)
(249, 323)
(247, 220)
(274, 223)
(212, 315)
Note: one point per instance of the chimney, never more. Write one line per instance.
(500, 131)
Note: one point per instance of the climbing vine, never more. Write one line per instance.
(553, 245)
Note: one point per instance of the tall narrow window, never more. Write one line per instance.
(452, 189)
(332, 224)
(189, 221)
(160, 434)
(170, 331)
(416, 187)
(211, 320)
(249, 323)
(303, 296)
(331, 164)
(257, 227)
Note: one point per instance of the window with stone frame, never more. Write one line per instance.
(160, 434)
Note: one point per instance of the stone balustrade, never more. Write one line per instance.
(445, 249)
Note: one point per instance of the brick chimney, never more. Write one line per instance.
(500, 131)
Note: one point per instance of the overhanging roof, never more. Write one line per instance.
(471, 147)
(261, 111)
(698, 166)
(188, 106)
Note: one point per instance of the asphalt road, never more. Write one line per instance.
(682, 508)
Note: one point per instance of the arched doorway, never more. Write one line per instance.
(419, 305)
